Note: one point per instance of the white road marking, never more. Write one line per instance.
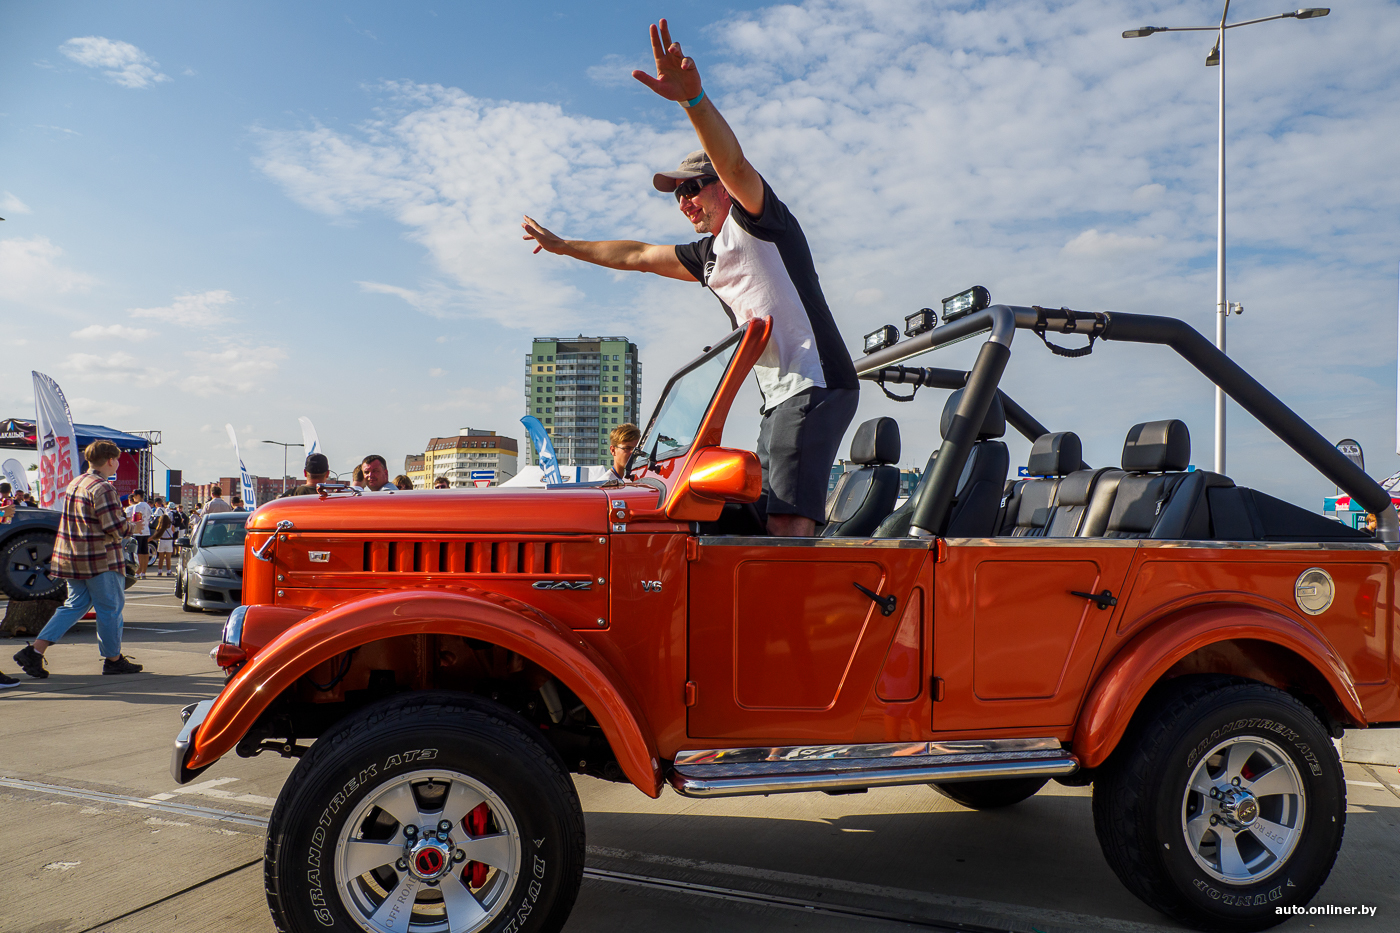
(61, 866)
(158, 631)
(1366, 784)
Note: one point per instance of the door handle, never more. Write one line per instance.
(1104, 599)
(887, 604)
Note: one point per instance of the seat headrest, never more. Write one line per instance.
(876, 441)
(1157, 447)
(994, 425)
(1055, 454)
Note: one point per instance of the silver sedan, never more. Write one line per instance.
(210, 571)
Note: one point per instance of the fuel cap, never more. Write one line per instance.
(1314, 591)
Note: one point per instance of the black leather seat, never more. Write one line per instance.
(865, 496)
(1028, 509)
(977, 498)
(1155, 498)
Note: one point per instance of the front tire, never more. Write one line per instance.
(427, 813)
(990, 795)
(1225, 805)
(185, 599)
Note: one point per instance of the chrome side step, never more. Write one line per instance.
(733, 772)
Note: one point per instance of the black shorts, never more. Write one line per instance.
(798, 440)
(142, 542)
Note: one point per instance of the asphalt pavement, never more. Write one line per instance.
(99, 838)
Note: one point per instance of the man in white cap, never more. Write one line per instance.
(756, 261)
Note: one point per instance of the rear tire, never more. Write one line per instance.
(24, 567)
(990, 795)
(352, 840)
(1223, 806)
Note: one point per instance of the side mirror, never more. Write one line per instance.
(182, 541)
(718, 475)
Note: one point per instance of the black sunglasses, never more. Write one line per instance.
(691, 187)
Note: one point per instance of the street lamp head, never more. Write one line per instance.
(1139, 33)
(1312, 12)
(1214, 57)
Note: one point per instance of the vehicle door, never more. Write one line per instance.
(1012, 645)
(787, 636)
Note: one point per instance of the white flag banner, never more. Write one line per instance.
(245, 479)
(309, 440)
(56, 440)
(14, 475)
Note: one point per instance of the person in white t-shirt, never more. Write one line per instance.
(755, 259)
(139, 514)
(163, 531)
(376, 473)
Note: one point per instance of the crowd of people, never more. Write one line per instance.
(10, 500)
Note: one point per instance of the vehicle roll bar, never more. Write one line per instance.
(981, 382)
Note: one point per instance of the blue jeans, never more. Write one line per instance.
(106, 591)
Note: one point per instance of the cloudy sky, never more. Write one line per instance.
(249, 212)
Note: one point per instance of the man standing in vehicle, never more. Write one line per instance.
(756, 261)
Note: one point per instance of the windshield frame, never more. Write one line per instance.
(729, 344)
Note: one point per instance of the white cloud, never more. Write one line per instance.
(120, 367)
(616, 70)
(438, 300)
(13, 205)
(112, 332)
(89, 410)
(1095, 244)
(194, 310)
(435, 372)
(233, 369)
(122, 62)
(32, 274)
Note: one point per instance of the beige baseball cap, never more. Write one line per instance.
(695, 165)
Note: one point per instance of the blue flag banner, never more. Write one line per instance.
(245, 479)
(548, 462)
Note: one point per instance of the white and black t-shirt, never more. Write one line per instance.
(762, 267)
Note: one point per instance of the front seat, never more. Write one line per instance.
(864, 496)
(977, 498)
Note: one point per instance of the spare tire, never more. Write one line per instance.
(24, 567)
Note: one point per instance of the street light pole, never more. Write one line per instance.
(1222, 310)
(284, 445)
(1222, 307)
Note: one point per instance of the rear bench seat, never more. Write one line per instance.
(1154, 497)
(1031, 501)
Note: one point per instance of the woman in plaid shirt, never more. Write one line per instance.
(88, 554)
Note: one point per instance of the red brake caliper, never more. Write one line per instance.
(476, 825)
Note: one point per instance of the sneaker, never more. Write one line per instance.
(7, 681)
(120, 666)
(31, 662)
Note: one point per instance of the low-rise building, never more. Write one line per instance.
(471, 458)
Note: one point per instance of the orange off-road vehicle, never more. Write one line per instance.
(1189, 646)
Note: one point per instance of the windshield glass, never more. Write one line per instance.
(672, 429)
(222, 534)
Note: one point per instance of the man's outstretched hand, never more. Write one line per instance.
(676, 76)
(543, 238)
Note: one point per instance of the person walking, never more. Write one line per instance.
(755, 259)
(88, 554)
(163, 534)
(139, 514)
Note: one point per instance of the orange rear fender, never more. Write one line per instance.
(525, 631)
(1122, 685)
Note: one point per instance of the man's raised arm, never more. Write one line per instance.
(627, 255)
(678, 79)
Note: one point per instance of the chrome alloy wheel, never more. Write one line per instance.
(430, 852)
(1242, 814)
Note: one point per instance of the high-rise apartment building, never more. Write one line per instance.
(581, 388)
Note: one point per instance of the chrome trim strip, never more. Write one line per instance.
(717, 756)
(1162, 543)
(181, 774)
(762, 541)
(700, 785)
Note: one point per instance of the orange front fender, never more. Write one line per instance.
(1142, 662)
(526, 632)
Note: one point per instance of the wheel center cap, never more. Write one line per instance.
(430, 859)
(1239, 807)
